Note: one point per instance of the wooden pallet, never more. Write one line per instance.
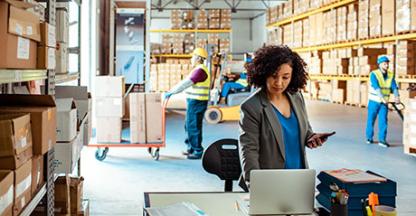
(355, 104)
(406, 76)
(410, 150)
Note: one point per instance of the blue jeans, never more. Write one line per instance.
(193, 124)
(228, 86)
(381, 110)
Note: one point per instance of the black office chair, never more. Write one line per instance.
(222, 159)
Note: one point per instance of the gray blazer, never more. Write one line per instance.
(261, 143)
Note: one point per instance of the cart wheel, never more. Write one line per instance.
(149, 150)
(156, 154)
(213, 115)
(101, 154)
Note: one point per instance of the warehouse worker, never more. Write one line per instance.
(197, 86)
(382, 84)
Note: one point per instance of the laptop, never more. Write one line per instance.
(282, 192)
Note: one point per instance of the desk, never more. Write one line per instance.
(213, 203)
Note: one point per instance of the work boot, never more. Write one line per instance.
(370, 141)
(384, 144)
(194, 156)
(187, 152)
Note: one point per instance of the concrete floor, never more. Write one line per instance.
(116, 185)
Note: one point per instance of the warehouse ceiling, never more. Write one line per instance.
(241, 8)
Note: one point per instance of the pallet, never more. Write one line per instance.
(337, 102)
(410, 150)
(355, 104)
(406, 76)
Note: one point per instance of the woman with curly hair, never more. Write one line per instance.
(274, 126)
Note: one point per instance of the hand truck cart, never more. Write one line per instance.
(152, 148)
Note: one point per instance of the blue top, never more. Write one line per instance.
(376, 85)
(291, 138)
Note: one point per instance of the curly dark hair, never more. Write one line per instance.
(268, 60)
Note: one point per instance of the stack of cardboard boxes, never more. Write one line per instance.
(19, 34)
(388, 17)
(202, 20)
(288, 35)
(166, 44)
(177, 43)
(146, 118)
(316, 21)
(154, 77)
(164, 76)
(288, 9)
(342, 24)
(214, 17)
(175, 19)
(68, 197)
(201, 42)
(339, 91)
(62, 34)
(375, 18)
(315, 4)
(28, 131)
(297, 34)
(109, 108)
(305, 35)
(163, 82)
(189, 42)
(363, 14)
(409, 127)
(225, 46)
(225, 19)
(352, 22)
(187, 19)
(403, 15)
(74, 128)
(405, 58)
(213, 39)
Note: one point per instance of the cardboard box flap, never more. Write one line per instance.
(27, 100)
(6, 189)
(65, 104)
(76, 92)
(19, 4)
(19, 120)
(24, 23)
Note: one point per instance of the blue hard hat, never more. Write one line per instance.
(382, 59)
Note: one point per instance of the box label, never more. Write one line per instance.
(29, 30)
(23, 186)
(19, 29)
(6, 199)
(23, 48)
(22, 142)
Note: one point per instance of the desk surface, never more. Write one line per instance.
(213, 203)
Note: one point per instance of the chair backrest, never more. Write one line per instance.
(222, 159)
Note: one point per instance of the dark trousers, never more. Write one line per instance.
(193, 124)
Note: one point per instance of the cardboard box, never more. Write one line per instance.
(62, 58)
(15, 134)
(48, 35)
(154, 118)
(62, 198)
(22, 187)
(67, 155)
(46, 58)
(109, 86)
(109, 106)
(76, 193)
(17, 52)
(42, 116)
(6, 192)
(137, 118)
(85, 211)
(23, 23)
(15, 161)
(108, 129)
(66, 120)
(81, 97)
(62, 26)
(37, 173)
(388, 17)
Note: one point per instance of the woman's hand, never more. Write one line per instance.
(317, 139)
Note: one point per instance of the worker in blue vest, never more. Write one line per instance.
(196, 86)
(382, 83)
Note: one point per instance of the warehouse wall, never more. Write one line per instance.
(259, 32)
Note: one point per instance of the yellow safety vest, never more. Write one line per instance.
(242, 82)
(385, 86)
(200, 91)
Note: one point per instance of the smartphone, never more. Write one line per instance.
(326, 135)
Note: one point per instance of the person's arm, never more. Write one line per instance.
(395, 88)
(249, 142)
(198, 75)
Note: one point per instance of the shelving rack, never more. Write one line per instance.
(9, 76)
(339, 45)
